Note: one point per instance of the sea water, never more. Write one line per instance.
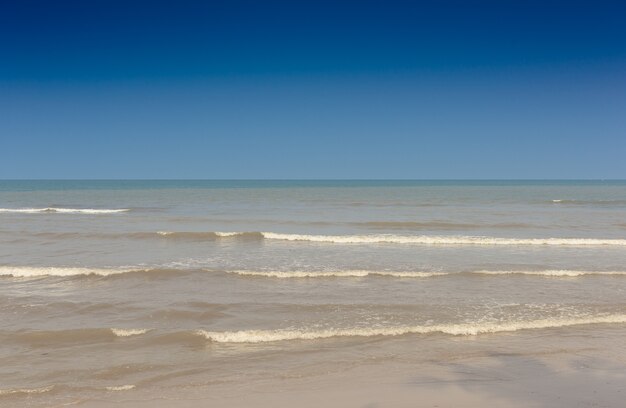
(115, 286)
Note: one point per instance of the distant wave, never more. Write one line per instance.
(49, 210)
(42, 271)
(340, 274)
(464, 329)
(588, 202)
(555, 273)
(393, 239)
(431, 240)
(441, 240)
(436, 225)
(409, 274)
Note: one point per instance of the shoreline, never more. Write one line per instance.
(547, 369)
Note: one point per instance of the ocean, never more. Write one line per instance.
(162, 288)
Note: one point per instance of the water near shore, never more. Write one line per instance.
(110, 288)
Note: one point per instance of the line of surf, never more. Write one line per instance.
(53, 210)
(429, 240)
(336, 274)
(441, 240)
(417, 274)
(557, 273)
(34, 271)
(43, 271)
(13, 391)
(209, 235)
(463, 329)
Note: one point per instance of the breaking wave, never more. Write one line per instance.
(69, 336)
(347, 239)
(555, 273)
(393, 239)
(211, 235)
(129, 332)
(121, 387)
(441, 240)
(436, 225)
(589, 202)
(14, 391)
(463, 329)
(409, 274)
(33, 271)
(340, 274)
(52, 210)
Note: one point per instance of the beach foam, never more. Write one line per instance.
(26, 390)
(33, 271)
(465, 329)
(441, 240)
(396, 239)
(120, 387)
(555, 273)
(339, 274)
(49, 210)
(129, 332)
(209, 235)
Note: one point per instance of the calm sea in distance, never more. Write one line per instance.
(113, 286)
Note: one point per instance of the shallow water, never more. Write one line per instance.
(112, 286)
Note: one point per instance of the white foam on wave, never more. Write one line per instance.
(554, 273)
(121, 387)
(463, 329)
(63, 210)
(229, 234)
(339, 274)
(441, 240)
(26, 390)
(33, 271)
(403, 274)
(129, 332)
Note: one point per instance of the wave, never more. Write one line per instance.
(14, 391)
(435, 225)
(588, 202)
(396, 239)
(464, 329)
(120, 387)
(70, 336)
(431, 240)
(49, 210)
(44, 271)
(409, 274)
(555, 273)
(129, 332)
(441, 240)
(210, 235)
(31, 271)
(340, 274)
(34, 271)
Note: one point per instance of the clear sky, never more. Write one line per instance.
(298, 89)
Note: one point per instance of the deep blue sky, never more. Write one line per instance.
(233, 89)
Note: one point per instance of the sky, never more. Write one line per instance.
(321, 89)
